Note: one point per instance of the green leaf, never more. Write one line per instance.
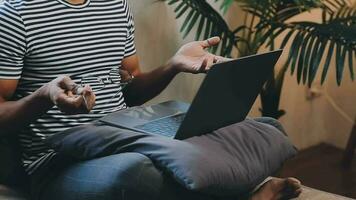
(187, 19)
(193, 21)
(316, 60)
(274, 36)
(200, 28)
(303, 49)
(182, 10)
(208, 30)
(294, 51)
(328, 61)
(226, 5)
(340, 62)
(307, 59)
(223, 45)
(286, 39)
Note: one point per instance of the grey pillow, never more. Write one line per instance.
(226, 162)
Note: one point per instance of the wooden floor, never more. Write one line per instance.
(320, 167)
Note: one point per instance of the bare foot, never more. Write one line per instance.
(279, 189)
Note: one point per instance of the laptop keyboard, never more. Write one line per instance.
(167, 126)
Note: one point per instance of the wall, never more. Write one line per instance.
(307, 122)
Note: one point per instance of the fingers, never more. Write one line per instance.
(210, 42)
(88, 98)
(79, 90)
(69, 104)
(66, 83)
(126, 76)
(220, 59)
(204, 66)
(211, 62)
(73, 105)
(69, 97)
(207, 62)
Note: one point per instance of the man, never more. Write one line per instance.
(48, 48)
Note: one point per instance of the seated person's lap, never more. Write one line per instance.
(125, 175)
(122, 176)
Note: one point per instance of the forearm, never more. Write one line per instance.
(15, 115)
(146, 86)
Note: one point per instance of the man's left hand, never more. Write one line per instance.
(194, 58)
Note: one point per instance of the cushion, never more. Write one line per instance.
(313, 194)
(226, 162)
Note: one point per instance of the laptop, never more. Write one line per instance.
(225, 97)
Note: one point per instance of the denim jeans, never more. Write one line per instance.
(126, 176)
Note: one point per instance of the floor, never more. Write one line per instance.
(319, 167)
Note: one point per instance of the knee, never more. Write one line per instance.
(116, 177)
(134, 176)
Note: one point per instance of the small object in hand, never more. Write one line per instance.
(83, 91)
(79, 90)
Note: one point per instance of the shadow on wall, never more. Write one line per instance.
(157, 39)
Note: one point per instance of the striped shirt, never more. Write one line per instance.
(42, 39)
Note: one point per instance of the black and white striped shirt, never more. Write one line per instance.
(42, 39)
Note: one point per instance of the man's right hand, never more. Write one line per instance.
(63, 92)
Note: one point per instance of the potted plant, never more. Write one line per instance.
(313, 44)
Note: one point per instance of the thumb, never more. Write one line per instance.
(210, 42)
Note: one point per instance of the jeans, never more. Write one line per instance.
(126, 176)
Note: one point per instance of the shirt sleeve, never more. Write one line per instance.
(130, 48)
(12, 42)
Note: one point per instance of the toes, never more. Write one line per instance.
(291, 195)
(280, 189)
(292, 189)
(294, 181)
(298, 192)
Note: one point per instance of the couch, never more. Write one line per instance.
(308, 194)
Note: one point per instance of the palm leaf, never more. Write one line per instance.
(208, 21)
(275, 14)
(225, 5)
(311, 42)
(338, 30)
